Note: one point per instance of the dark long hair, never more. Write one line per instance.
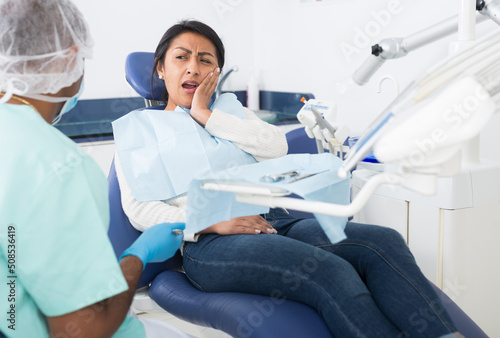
(176, 30)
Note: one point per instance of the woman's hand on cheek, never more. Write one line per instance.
(201, 98)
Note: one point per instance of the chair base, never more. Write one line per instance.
(142, 302)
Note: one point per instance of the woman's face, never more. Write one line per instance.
(188, 61)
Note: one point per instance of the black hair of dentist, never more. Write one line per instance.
(184, 26)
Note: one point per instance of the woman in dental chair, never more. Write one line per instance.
(366, 285)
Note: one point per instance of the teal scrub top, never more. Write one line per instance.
(55, 255)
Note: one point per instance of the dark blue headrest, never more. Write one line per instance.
(138, 68)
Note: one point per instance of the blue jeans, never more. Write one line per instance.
(368, 285)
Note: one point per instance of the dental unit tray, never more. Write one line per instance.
(238, 191)
(275, 197)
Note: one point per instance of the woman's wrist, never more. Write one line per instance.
(209, 230)
(201, 115)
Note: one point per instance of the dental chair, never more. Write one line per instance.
(237, 314)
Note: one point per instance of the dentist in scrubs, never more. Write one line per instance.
(59, 275)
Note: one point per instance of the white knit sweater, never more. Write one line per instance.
(258, 138)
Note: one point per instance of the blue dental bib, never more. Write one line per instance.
(160, 151)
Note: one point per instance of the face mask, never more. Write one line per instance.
(69, 102)
(68, 105)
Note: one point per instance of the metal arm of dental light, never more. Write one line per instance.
(393, 48)
(490, 9)
(276, 198)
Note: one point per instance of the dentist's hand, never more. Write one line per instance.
(156, 244)
(199, 107)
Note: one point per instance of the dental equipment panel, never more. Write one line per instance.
(435, 115)
(419, 135)
(447, 106)
(448, 196)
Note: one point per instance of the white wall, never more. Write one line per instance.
(294, 46)
(122, 27)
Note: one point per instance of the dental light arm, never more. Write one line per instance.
(277, 198)
(489, 8)
(393, 48)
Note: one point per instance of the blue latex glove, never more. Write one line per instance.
(156, 244)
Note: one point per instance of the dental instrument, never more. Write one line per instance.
(156, 244)
(177, 232)
(279, 177)
(317, 117)
(305, 176)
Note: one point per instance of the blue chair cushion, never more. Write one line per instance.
(238, 314)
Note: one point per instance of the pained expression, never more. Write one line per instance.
(188, 61)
